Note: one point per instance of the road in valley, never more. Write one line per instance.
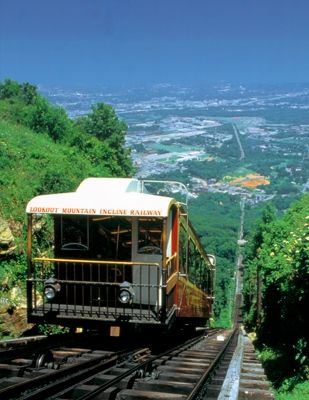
(242, 153)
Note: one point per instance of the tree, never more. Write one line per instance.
(9, 89)
(43, 117)
(28, 93)
(103, 123)
(25, 92)
(27, 107)
(253, 280)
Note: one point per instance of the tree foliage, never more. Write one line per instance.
(280, 251)
(103, 124)
(28, 108)
(99, 136)
(218, 228)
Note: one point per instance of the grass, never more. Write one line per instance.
(277, 367)
(300, 392)
(172, 148)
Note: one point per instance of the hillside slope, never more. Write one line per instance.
(33, 164)
(43, 151)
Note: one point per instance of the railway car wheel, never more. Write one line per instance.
(44, 359)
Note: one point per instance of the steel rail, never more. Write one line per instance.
(35, 347)
(144, 366)
(62, 375)
(200, 386)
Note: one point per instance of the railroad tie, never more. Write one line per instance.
(253, 382)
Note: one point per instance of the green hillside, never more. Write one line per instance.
(43, 151)
(33, 164)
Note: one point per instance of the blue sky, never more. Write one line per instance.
(127, 42)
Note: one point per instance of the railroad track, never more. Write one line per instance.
(55, 370)
(184, 372)
(27, 346)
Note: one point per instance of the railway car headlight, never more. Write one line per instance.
(126, 293)
(51, 288)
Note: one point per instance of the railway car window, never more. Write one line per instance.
(203, 275)
(191, 261)
(183, 241)
(111, 238)
(208, 282)
(43, 235)
(150, 236)
(195, 264)
(74, 233)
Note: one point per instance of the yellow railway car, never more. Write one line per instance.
(113, 256)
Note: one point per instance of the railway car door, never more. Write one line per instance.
(147, 248)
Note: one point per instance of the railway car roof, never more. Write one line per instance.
(103, 196)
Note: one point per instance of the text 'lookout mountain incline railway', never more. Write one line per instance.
(93, 211)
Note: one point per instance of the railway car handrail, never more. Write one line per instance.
(169, 259)
(97, 296)
(143, 181)
(66, 260)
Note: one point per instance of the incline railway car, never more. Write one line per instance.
(111, 255)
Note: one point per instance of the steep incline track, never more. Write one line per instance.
(185, 371)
